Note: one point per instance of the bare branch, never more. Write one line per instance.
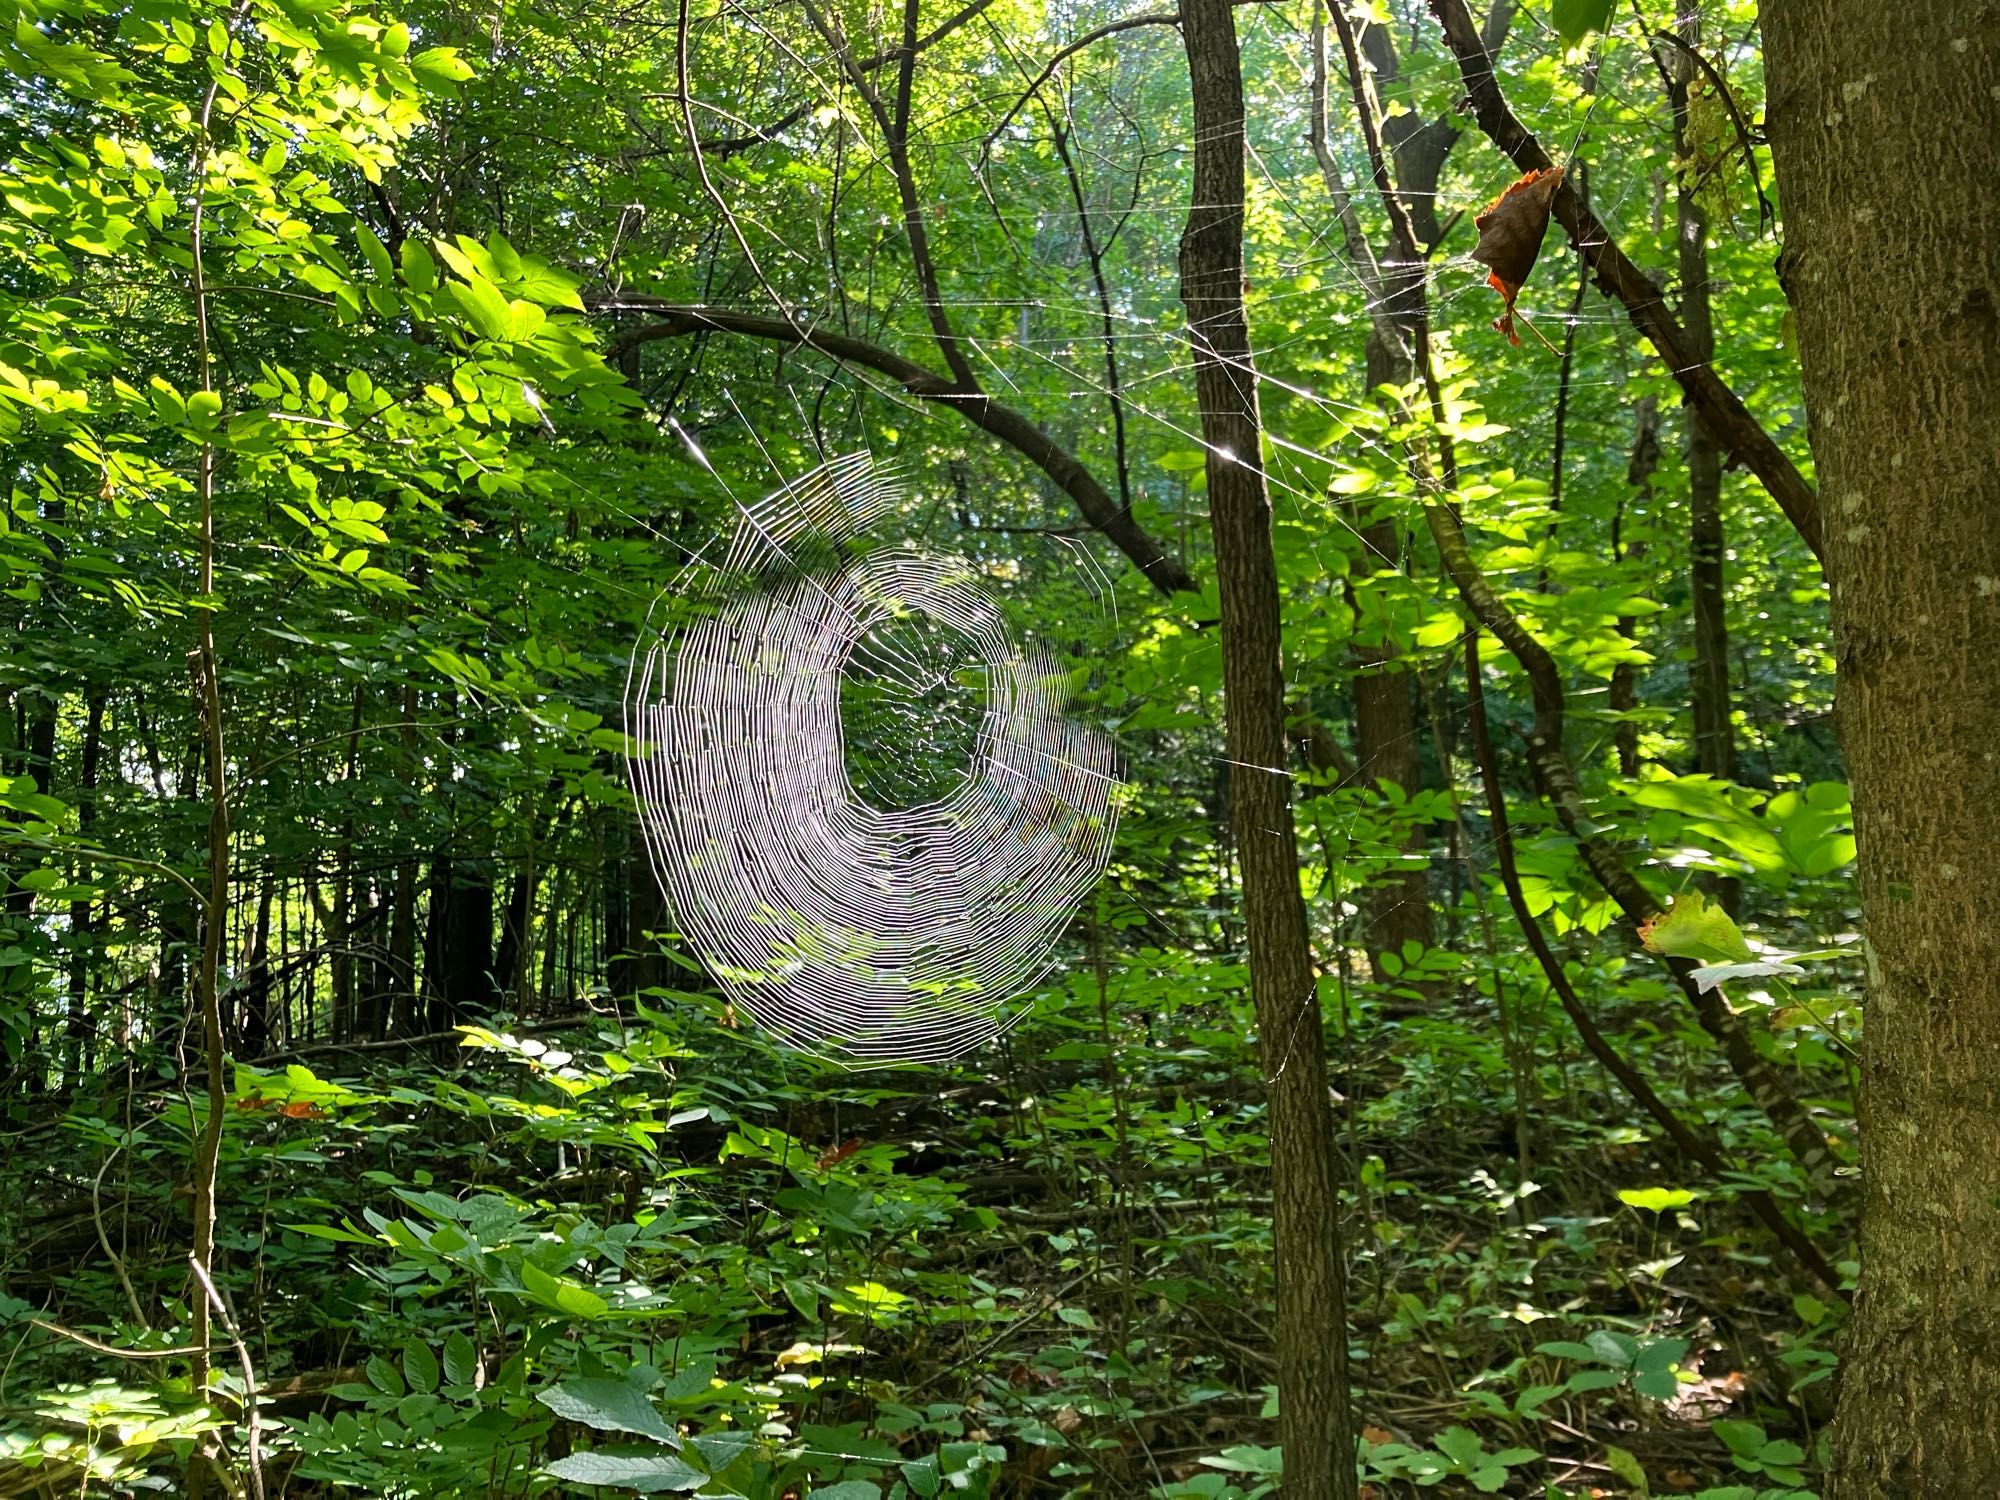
(764, 135)
(894, 123)
(1696, 1142)
(1014, 428)
(1089, 38)
(1723, 412)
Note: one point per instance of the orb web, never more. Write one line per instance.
(862, 793)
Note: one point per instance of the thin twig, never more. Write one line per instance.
(1696, 1143)
(104, 1239)
(252, 1428)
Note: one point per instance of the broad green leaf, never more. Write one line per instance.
(1691, 928)
(483, 306)
(1459, 1444)
(420, 1366)
(1567, 1349)
(1628, 1468)
(1576, 19)
(645, 1473)
(441, 66)
(1745, 1439)
(565, 1296)
(461, 1360)
(384, 1376)
(609, 1406)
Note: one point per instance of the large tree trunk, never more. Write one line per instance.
(1311, 1318)
(1885, 124)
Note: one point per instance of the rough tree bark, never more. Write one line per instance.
(1311, 1331)
(1885, 127)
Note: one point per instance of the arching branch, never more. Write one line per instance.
(1720, 409)
(1014, 428)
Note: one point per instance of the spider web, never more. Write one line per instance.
(873, 934)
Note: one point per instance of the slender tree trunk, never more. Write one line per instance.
(462, 933)
(1714, 737)
(1385, 725)
(1624, 694)
(215, 909)
(1885, 125)
(1385, 719)
(1311, 1332)
(82, 1026)
(255, 1021)
(38, 739)
(407, 1014)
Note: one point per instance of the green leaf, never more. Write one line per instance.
(383, 1376)
(461, 1360)
(1459, 1444)
(1744, 1439)
(1576, 19)
(847, 1489)
(1615, 1349)
(375, 253)
(441, 66)
(721, 1449)
(420, 270)
(1567, 1349)
(647, 1473)
(609, 1406)
(1661, 1354)
(1691, 928)
(1440, 630)
(1627, 1468)
(696, 1380)
(564, 1296)
(420, 1366)
(1530, 1401)
(483, 306)
(1658, 1385)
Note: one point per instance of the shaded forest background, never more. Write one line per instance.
(342, 485)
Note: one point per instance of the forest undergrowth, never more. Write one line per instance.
(455, 1260)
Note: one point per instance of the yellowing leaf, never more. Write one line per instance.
(1658, 1199)
(1691, 928)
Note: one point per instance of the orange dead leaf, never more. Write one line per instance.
(1510, 237)
(837, 1155)
(300, 1109)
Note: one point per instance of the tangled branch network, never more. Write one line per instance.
(863, 796)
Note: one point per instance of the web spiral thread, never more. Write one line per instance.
(875, 935)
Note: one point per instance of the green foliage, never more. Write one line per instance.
(510, 1203)
(1576, 19)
